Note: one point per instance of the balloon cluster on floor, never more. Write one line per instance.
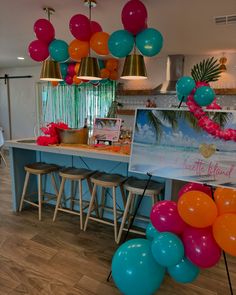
(182, 238)
(149, 41)
(198, 94)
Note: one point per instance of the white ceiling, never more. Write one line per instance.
(187, 25)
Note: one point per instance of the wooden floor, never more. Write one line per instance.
(46, 258)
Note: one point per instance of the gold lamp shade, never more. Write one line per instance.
(50, 71)
(223, 61)
(134, 68)
(89, 69)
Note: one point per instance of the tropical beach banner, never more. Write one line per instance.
(169, 143)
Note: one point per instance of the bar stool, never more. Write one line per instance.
(75, 175)
(135, 187)
(39, 169)
(106, 181)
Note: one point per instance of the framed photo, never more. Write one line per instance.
(107, 129)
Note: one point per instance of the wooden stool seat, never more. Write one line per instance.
(107, 180)
(41, 168)
(136, 186)
(75, 173)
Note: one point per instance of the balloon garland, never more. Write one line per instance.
(196, 92)
(182, 238)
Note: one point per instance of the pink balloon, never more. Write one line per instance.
(95, 27)
(214, 105)
(44, 30)
(165, 217)
(80, 27)
(69, 80)
(38, 50)
(200, 84)
(200, 246)
(191, 186)
(134, 16)
(71, 70)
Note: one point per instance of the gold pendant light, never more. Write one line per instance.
(223, 61)
(134, 68)
(50, 71)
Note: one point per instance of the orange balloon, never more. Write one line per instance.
(197, 209)
(78, 49)
(112, 64)
(54, 83)
(225, 199)
(99, 43)
(76, 80)
(105, 73)
(114, 75)
(224, 231)
(77, 66)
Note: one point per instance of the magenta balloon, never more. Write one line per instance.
(69, 80)
(71, 70)
(165, 217)
(95, 27)
(191, 186)
(80, 27)
(200, 246)
(44, 30)
(134, 16)
(38, 50)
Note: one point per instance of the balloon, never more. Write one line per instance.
(185, 85)
(99, 43)
(71, 70)
(134, 16)
(44, 30)
(180, 96)
(69, 80)
(151, 232)
(167, 249)
(225, 199)
(63, 68)
(184, 272)
(224, 231)
(121, 43)
(59, 50)
(200, 246)
(191, 186)
(149, 42)
(80, 27)
(112, 64)
(101, 64)
(38, 50)
(77, 66)
(95, 27)
(54, 83)
(197, 209)
(204, 96)
(114, 76)
(134, 270)
(78, 49)
(105, 73)
(165, 217)
(76, 80)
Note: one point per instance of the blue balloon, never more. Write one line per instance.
(185, 85)
(167, 249)
(63, 68)
(58, 50)
(101, 64)
(180, 96)
(134, 270)
(121, 43)
(149, 42)
(184, 272)
(204, 95)
(151, 232)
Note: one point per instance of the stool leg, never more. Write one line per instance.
(95, 200)
(114, 212)
(132, 208)
(59, 197)
(153, 200)
(81, 204)
(103, 201)
(123, 195)
(40, 196)
(124, 216)
(90, 206)
(24, 190)
(72, 197)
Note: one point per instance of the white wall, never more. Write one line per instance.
(23, 101)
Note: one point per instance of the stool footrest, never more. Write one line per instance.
(69, 211)
(135, 231)
(31, 203)
(101, 220)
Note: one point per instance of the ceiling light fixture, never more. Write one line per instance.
(20, 57)
(89, 68)
(223, 61)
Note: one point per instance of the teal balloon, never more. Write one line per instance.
(58, 50)
(167, 249)
(149, 42)
(184, 272)
(204, 96)
(104, 81)
(151, 232)
(101, 64)
(185, 85)
(121, 43)
(134, 270)
(180, 96)
(63, 68)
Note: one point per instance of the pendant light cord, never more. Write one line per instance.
(90, 17)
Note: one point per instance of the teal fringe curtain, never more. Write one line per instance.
(72, 104)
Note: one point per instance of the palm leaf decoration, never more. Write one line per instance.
(207, 70)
